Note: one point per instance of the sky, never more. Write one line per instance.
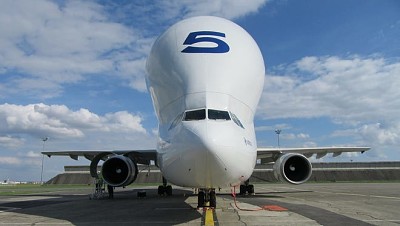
(74, 71)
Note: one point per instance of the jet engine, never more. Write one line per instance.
(293, 168)
(119, 171)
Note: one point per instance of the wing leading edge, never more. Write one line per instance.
(272, 154)
(142, 156)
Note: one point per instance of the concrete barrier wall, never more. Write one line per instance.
(69, 178)
(333, 172)
(337, 175)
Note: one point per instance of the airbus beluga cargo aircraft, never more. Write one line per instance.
(205, 76)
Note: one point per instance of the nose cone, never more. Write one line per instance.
(213, 157)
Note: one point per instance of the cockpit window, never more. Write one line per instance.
(195, 115)
(218, 115)
(176, 121)
(236, 120)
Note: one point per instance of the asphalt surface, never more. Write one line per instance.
(308, 204)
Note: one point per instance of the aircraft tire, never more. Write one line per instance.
(168, 190)
(161, 190)
(213, 199)
(243, 189)
(250, 189)
(200, 199)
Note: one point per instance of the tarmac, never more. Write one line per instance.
(273, 204)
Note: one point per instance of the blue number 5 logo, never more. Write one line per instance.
(205, 36)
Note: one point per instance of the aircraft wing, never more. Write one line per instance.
(142, 156)
(272, 154)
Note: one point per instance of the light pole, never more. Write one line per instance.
(278, 132)
(44, 139)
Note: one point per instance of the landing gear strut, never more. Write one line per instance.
(246, 188)
(165, 189)
(206, 198)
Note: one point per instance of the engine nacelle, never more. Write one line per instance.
(292, 168)
(119, 171)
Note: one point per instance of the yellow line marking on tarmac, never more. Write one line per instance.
(209, 219)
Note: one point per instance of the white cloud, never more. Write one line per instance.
(162, 12)
(45, 46)
(282, 126)
(292, 136)
(123, 121)
(133, 71)
(11, 142)
(360, 93)
(10, 161)
(53, 45)
(39, 120)
(302, 136)
(264, 128)
(30, 159)
(32, 154)
(380, 134)
(309, 144)
(224, 8)
(346, 89)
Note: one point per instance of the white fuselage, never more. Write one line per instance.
(205, 75)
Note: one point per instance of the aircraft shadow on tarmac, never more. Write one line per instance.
(125, 208)
(128, 209)
(274, 194)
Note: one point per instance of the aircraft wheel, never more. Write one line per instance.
(161, 190)
(242, 190)
(213, 199)
(250, 189)
(200, 199)
(169, 190)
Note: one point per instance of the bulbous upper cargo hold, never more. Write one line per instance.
(201, 57)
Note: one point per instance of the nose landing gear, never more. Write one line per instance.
(206, 198)
(165, 189)
(246, 188)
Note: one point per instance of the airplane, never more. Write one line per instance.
(205, 76)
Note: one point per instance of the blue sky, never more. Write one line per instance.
(74, 71)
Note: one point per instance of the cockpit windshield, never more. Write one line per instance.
(212, 114)
(218, 115)
(199, 114)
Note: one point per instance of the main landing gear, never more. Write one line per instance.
(165, 189)
(246, 188)
(206, 198)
